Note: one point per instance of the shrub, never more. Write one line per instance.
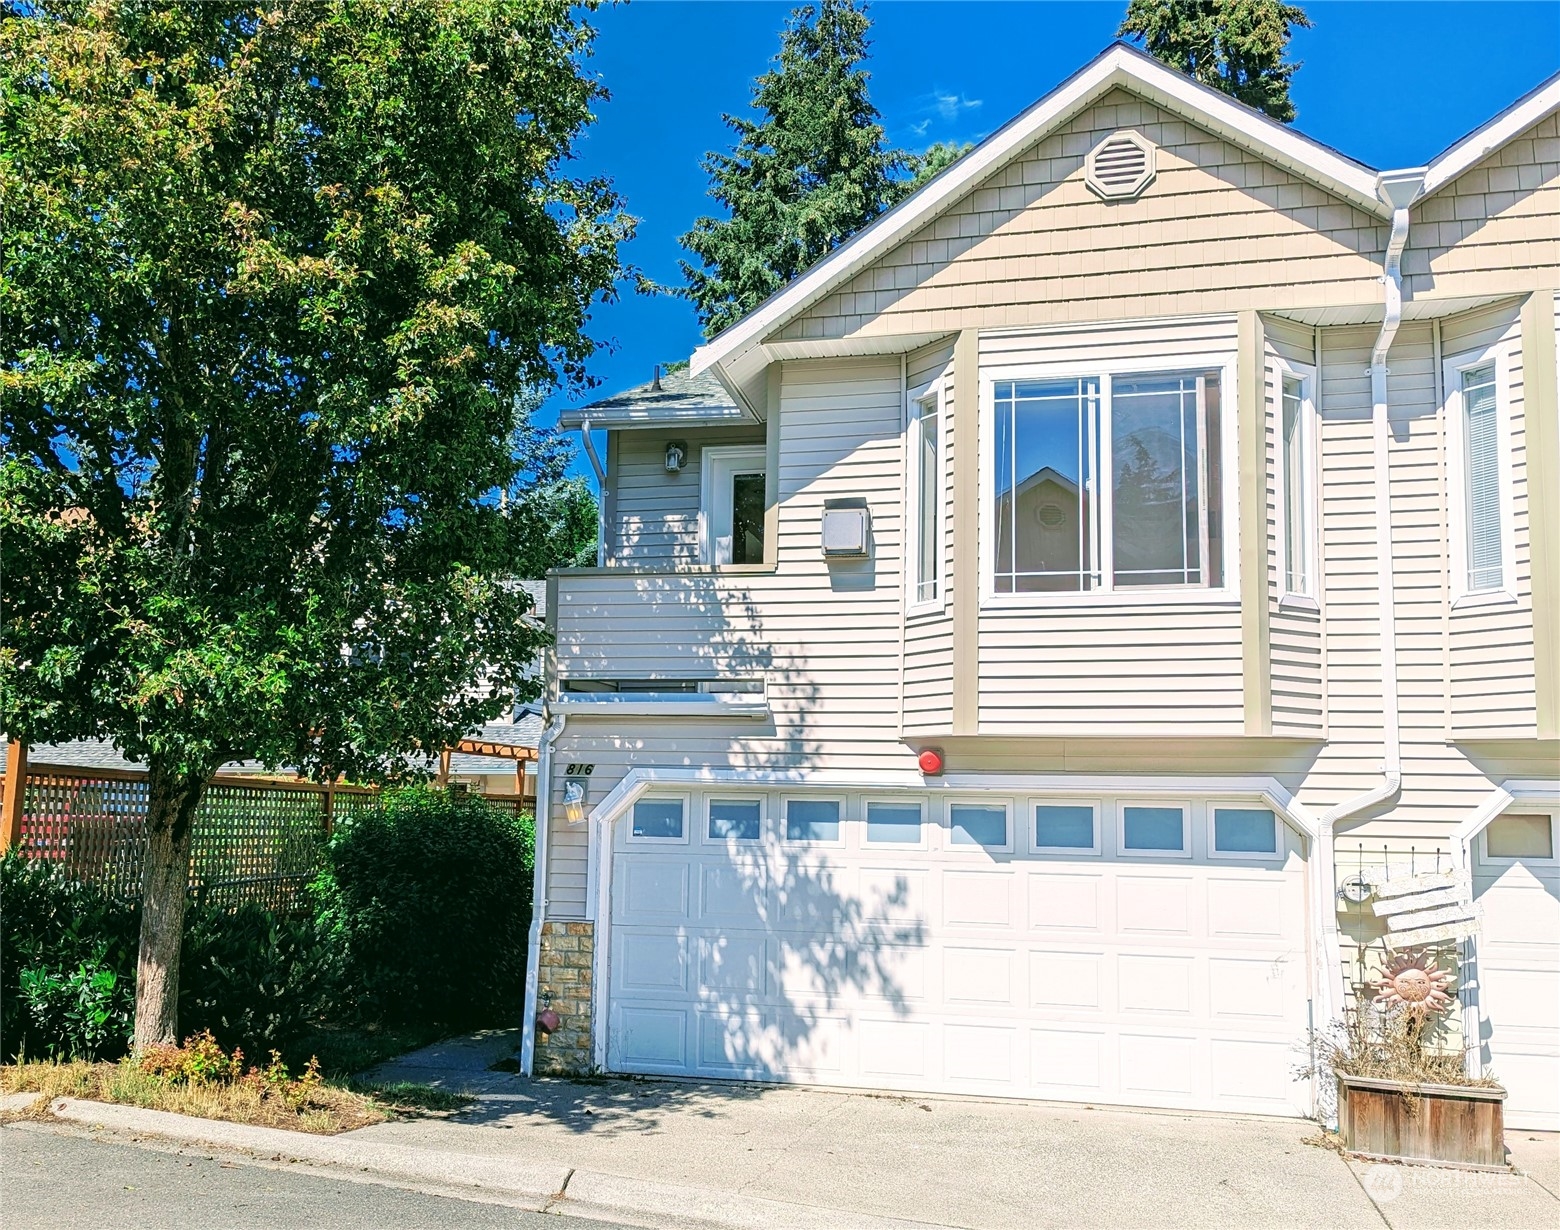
(67, 964)
(431, 898)
(253, 978)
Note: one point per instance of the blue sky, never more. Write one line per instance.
(1390, 84)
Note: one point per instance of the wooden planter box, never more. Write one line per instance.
(1457, 1125)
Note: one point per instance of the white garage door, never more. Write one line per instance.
(1096, 950)
(1517, 880)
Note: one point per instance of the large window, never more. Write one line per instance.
(1108, 482)
(1297, 458)
(1481, 462)
(925, 499)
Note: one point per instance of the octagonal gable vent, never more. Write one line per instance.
(1120, 166)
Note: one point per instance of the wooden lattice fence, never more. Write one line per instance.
(254, 841)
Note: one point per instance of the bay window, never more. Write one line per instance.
(1108, 482)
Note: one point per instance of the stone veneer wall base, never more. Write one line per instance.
(564, 983)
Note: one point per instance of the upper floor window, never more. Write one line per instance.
(1477, 447)
(923, 549)
(1297, 460)
(732, 505)
(1108, 482)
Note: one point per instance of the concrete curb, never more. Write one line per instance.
(554, 1189)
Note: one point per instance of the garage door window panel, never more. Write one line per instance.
(1149, 830)
(814, 821)
(1066, 827)
(1244, 832)
(1520, 838)
(980, 826)
(735, 820)
(659, 820)
(896, 823)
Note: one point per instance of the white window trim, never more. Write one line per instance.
(1181, 805)
(1276, 855)
(1035, 847)
(1457, 481)
(728, 458)
(1309, 450)
(1501, 860)
(704, 816)
(914, 604)
(784, 830)
(1226, 594)
(976, 800)
(894, 800)
(659, 797)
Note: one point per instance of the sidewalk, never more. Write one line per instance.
(957, 1162)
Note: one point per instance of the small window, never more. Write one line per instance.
(1520, 837)
(1064, 826)
(977, 824)
(737, 819)
(926, 497)
(1153, 829)
(812, 820)
(1298, 467)
(894, 823)
(658, 819)
(733, 505)
(1244, 830)
(1481, 460)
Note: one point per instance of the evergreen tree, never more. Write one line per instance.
(1236, 46)
(810, 172)
(938, 158)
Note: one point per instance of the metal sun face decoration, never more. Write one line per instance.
(1413, 982)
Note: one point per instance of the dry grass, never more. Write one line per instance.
(1395, 1045)
(322, 1109)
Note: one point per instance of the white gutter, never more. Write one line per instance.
(544, 759)
(601, 499)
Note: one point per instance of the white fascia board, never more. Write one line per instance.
(1119, 65)
(651, 704)
(1489, 137)
(627, 420)
(637, 781)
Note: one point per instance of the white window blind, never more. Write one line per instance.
(1482, 448)
(926, 492)
(1297, 530)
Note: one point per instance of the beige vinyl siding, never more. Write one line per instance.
(1495, 229)
(1490, 652)
(827, 637)
(927, 687)
(1100, 667)
(1218, 230)
(1295, 632)
(655, 515)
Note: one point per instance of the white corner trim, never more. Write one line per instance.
(1491, 135)
(1118, 65)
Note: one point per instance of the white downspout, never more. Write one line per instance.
(544, 760)
(601, 498)
(1399, 190)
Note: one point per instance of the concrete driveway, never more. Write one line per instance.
(960, 1162)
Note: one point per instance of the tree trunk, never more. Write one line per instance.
(174, 793)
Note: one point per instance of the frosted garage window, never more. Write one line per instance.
(1520, 837)
(812, 820)
(1064, 827)
(1153, 828)
(738, 819)
(1244, 830)
(894, 823)
(975, 824)
(658, 818)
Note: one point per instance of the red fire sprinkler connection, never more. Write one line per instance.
(931, 762)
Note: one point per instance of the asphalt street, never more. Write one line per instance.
(62, 1182)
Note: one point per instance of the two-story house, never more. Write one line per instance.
(1011, 636)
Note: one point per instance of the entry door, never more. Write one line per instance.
(1517, 881)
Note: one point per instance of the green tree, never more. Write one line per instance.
(927, 166)
(802, 178)
(1237, 46)
(275, 273)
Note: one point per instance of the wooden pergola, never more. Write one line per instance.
(518, 752)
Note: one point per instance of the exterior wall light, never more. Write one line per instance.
(676, 455)
(574, 799)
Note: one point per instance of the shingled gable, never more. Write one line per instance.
(739, 354)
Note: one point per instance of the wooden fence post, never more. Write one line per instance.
(330, 807)
(15, 796)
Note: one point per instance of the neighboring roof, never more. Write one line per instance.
(694, 400)
(1488, 137)
(78, 753)
(524, 731)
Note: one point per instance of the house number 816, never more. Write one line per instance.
(580, 770)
